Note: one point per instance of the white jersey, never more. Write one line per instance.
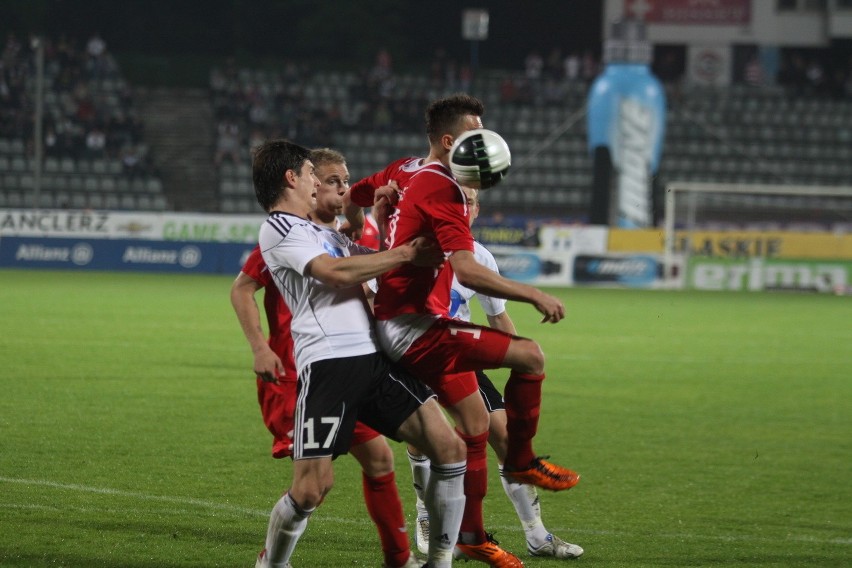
(328, 322)
(460, 296)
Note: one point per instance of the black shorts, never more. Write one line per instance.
(492, 397)
(335, 393)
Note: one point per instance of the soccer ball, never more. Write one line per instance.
(480, 158)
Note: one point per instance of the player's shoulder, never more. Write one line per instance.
(284, 223)
(434, 176)
(484, 256)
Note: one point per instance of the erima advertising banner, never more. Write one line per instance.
(123, 255)
(760, 274)
(129, 225)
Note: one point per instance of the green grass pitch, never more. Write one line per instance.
(711, 429)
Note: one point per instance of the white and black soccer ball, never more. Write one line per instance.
(480, 158)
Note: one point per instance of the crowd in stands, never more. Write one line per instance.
(89, 111)
(249, 110)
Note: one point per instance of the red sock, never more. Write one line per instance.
(523, 404)
(475, 487)
(385, 508)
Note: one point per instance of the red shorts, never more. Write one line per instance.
(278, 408)
(448, 354)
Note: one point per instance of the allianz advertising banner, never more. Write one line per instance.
(123, 254)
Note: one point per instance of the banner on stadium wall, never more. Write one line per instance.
(87, 224)
(709, 65)
(123, 254)
(737, 244)
(691, 12)
(759, 274)
(620, 270)
(550, 262)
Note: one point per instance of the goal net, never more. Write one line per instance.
(757, 237)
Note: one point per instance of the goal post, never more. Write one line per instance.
(693, 206)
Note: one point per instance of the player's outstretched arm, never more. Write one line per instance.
(342, 272)
(267, 365)
(354, 214)
(480, 279)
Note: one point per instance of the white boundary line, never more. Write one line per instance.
(264, 513)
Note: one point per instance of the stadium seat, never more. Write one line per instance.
(107, 184)
(78, 200)
(128, 202)
(90, 183)
(154, 185)
(111, 201)
(14, 199)
(76, 183)
(159, 203)
(67, 165)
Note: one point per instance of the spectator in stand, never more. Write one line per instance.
(815, 76)
(533, 66)
(754, 72)
(572, 66)
(228, 143)
(96, 143)
(553, 64)
(131, 162)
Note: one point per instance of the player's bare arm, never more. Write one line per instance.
(479, 278)
(354, 214)
(502, 322)
(267, 365)
(342, 272)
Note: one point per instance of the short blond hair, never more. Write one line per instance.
(324, 156)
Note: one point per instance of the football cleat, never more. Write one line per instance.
(262, 562)
(555, 547)
(410, 563)
(544, 474)
(421, 535)
(488, 552)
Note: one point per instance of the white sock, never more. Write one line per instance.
(286, 525)
(445, 503)
(420, 477)
(525, 500)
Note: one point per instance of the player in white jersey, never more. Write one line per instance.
(343, 376)
(524, 497)
(275, 366)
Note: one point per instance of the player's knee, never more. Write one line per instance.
(378, 461)
(454, 450)
(310, 495)
(532, 357)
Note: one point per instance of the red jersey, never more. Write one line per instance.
(431, 204)
(370, 235)
(277, 314)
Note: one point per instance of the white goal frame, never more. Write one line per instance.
(674, 188)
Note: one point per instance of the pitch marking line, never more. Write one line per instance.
(265, 513)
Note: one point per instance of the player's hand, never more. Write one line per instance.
(550, 307)
(384, 200)
(267, 365)
(387, 194)
(426, 253)
(353, 234)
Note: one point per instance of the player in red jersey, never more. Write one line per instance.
(411, 307)
(275, 367)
